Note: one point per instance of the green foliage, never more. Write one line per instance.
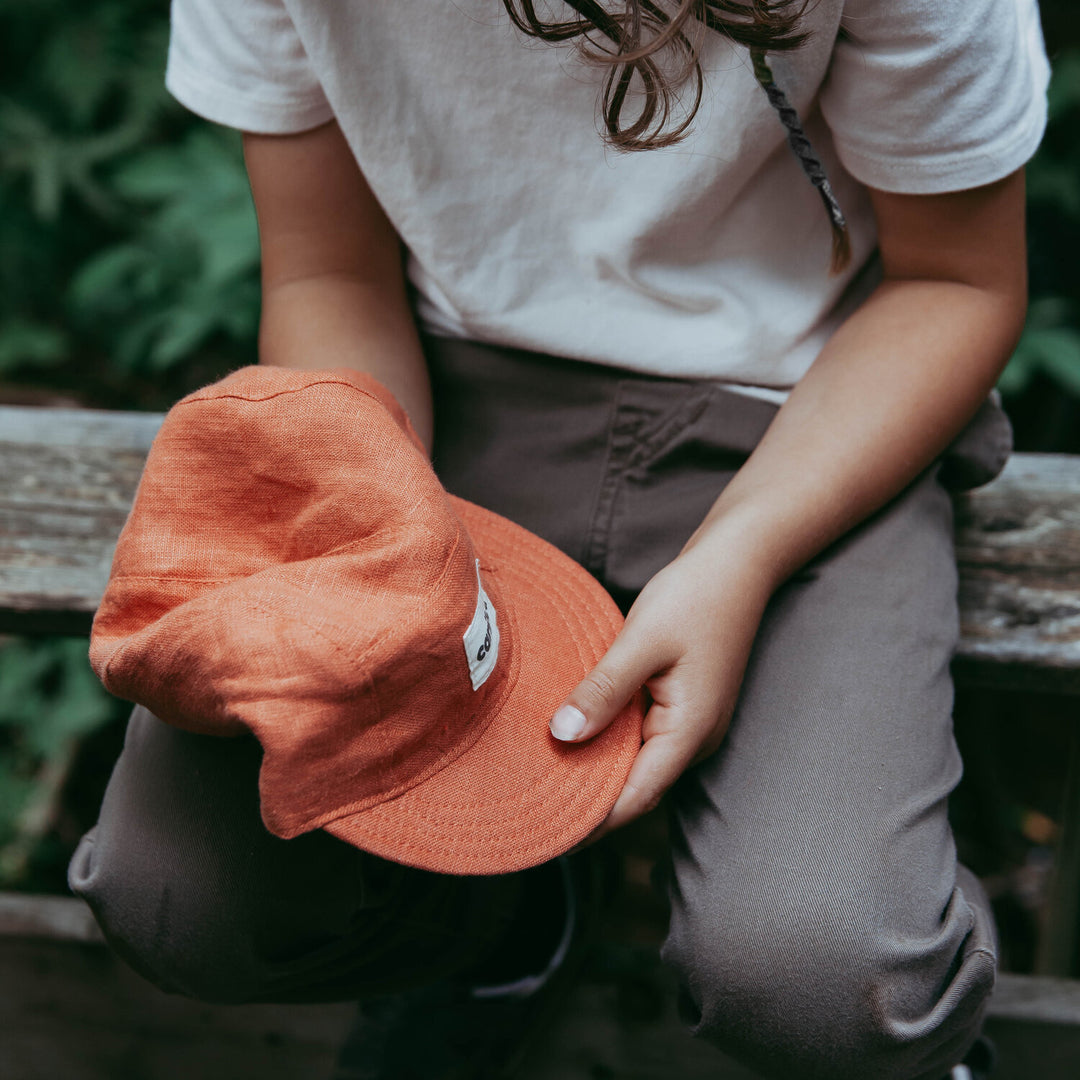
(48, 694)
(190, 271)
(128, 243)
(1050, 345)
(49, 697)
(24, 341)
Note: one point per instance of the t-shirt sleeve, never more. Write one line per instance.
(241, 63)
(929, 96)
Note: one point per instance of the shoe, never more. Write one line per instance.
(481, 1024)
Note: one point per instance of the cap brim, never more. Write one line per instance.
(517, 797)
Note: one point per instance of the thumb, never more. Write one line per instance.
(601, 695)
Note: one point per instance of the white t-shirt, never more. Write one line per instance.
(707, 259)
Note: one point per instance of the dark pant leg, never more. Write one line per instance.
(821, 925)
(194, 892)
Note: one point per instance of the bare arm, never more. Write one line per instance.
(896, 383)
(893, 387)
(333, 286)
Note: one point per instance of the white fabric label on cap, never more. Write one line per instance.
(482, 637)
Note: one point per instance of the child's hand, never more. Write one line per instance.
(687, 640)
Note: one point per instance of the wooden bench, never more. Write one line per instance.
(67, 477)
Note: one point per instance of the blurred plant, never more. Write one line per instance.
(49, 697)
(190, 270)
(128, 242)
(1050, 345)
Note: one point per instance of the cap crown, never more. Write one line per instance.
(291, 566)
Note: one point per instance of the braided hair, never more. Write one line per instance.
(631, 39)
(810, 162)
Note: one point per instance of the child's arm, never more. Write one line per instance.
(893, 387)
(333, 287)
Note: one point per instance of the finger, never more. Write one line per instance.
(603, 693)
(711, 744)
(589, 840)
(659, 763)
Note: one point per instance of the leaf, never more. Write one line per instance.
(82, 59)
(1061, 358)
(1054, 351)
(23, 671)
(107, 274)
(48, 694)
(182, 332)
(1018, 373)
(154, 174)
(135, 341)
(231, 244)
(16, 788)
(191, 270)
(25, 343)
(78, 705)
(204, 169)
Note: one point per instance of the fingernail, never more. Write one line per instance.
(567, 723)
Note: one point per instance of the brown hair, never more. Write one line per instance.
(634, 40)
(631, 42)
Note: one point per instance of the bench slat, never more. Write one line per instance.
(67, 477)
(1018, 549)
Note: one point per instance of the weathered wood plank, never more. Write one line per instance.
(74, 1011)
(1037, 998)
(57, 918)
(1018, 548)
(67, 477)
(107, 429)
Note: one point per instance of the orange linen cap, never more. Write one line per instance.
(293, 568)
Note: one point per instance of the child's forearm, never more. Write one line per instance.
(893, 387)
(888, 394)
(342, 320)
(334, 291)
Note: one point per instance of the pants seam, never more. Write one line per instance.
(687, 414)
(598, 534)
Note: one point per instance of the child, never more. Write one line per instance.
(650, 359)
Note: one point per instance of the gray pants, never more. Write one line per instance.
(821, 926)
